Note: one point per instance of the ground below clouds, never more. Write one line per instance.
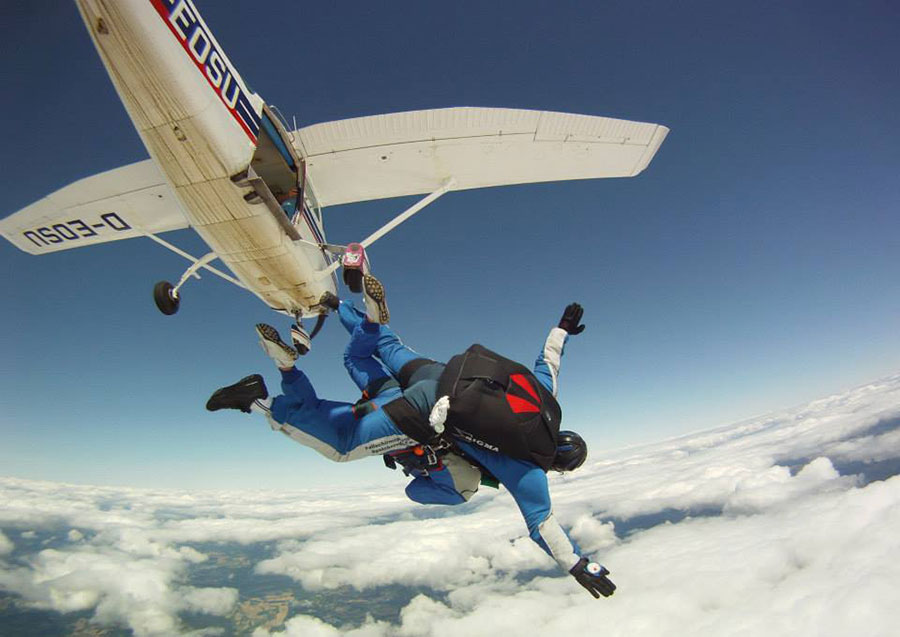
(783, 525)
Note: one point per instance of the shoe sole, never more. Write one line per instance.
(375, 291)
(270, 334)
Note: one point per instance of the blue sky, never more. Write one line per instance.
(751, 267)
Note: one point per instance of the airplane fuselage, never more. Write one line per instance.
(225, 155)
(222, 163)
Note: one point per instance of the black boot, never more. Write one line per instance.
(330, 301)
(240, 395)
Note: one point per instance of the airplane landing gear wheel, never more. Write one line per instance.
(166, 300)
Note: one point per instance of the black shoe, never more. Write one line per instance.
(330, 301)
(240, 395)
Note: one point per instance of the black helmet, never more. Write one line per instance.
(571, 451)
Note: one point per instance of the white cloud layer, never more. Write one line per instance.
(766, 533)
(6, 545)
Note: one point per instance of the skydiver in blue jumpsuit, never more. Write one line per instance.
(344, 431)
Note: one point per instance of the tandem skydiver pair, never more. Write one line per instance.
(480, 419)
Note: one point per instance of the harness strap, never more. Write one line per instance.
(377, 386)
(410, 421)
(407, 371)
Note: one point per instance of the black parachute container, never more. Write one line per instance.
(498, 404)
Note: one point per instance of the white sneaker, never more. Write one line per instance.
(283, 354)
(376, 303)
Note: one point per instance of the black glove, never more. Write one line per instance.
(593, 577)
(571, 318)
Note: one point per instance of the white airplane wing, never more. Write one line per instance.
(118, 204)
(416, 152)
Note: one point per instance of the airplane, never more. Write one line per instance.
(225, 163)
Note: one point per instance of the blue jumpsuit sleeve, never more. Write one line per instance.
(527, 483)
(546, 367)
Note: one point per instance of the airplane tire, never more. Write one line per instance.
(165, 300)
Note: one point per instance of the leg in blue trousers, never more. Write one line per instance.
(368, 374)
(333, 428)
(388, 346)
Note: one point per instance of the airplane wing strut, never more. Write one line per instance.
(396, 221)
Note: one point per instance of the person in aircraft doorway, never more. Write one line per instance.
(415, 413)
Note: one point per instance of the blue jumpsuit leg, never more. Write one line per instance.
(389, 348)
(454, 482)
(436, 488)
(364, 370)
(331, 427)
(349, 316)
